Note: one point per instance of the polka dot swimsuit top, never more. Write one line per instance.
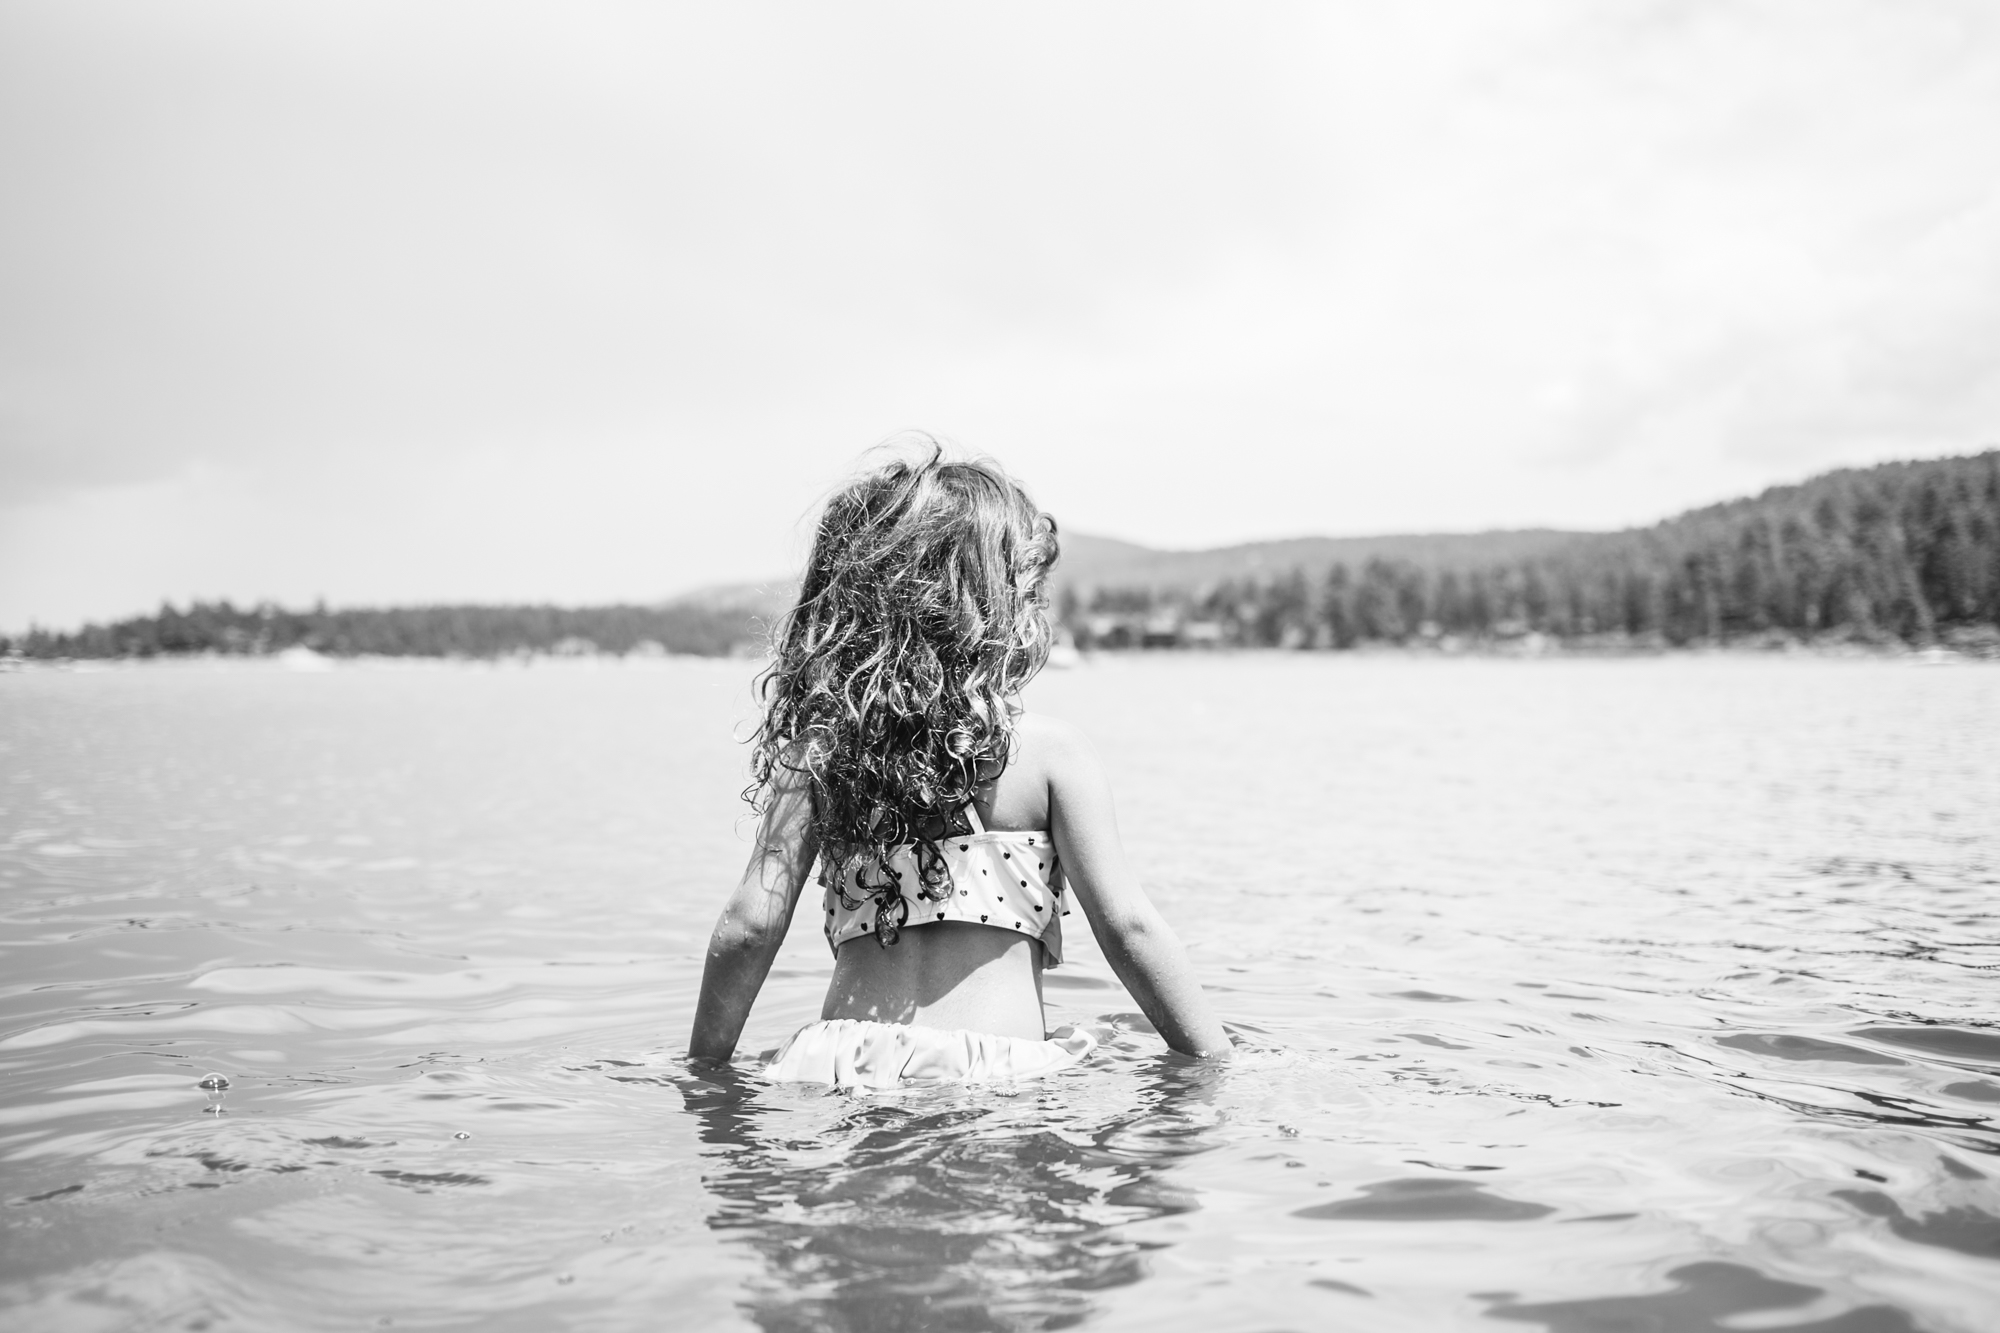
(1009, 880)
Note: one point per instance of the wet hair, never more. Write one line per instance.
(923, 610)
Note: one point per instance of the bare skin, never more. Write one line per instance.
(961, 974)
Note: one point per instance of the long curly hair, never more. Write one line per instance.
(923, 611)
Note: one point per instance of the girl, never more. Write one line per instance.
(952, 828)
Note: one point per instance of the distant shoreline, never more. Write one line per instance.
(1597, 648)
(1888, 560)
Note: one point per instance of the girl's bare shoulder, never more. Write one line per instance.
(1052, 746)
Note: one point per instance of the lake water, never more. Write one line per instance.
(1571, 995)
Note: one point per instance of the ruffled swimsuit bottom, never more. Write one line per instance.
(855, 1053)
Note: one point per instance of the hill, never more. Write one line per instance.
(1089, 562)
(1899, 553)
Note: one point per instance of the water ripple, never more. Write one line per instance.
(1572, 995)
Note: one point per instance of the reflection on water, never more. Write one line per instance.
(1573, 995)
(1426, 1200)
(1701, 1297)
(1965, 1229)
(948, 1209)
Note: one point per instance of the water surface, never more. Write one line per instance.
(1571, 995)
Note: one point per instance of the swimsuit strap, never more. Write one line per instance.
(972, 814)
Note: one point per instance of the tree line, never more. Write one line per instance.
(1901, 553)
(410, 631)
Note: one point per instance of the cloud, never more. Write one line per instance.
(440, 298)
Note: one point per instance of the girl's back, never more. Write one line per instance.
(895, 755)
(964, 974)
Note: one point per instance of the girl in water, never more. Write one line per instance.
(952, 828)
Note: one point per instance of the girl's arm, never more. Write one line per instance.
(1140, 946)
(754, 921)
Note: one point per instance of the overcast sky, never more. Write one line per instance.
(407, 302)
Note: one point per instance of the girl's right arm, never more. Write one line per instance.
(754, 920)
(1138, 943)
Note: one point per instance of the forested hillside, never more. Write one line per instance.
(706, 627)
(1903, 553)
(1091, 562)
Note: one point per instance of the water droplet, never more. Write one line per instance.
(461, 1135)
(214, 1083)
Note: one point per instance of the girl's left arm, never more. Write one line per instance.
(754, 921)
